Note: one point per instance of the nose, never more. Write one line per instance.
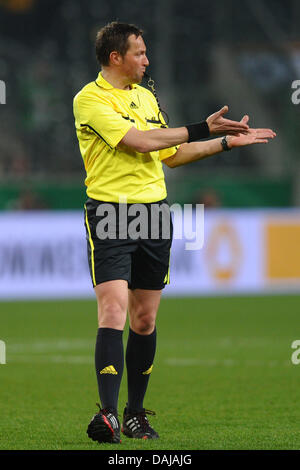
(146, 61)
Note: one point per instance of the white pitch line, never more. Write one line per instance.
(185, 362)
(52, 345)
(173, 361)
(56, 345)
(16, 359)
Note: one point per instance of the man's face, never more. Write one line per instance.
(135, 60)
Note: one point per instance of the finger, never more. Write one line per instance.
(264, 130)
(236, 132)
(235, 124)
(265, 135)
(245, 119)
(234, 129)
(222, 111)
(267, 132)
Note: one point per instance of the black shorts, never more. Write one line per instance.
(129, 242)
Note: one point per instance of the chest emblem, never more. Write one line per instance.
(133, 105)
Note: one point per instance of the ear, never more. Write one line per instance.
(115, 58)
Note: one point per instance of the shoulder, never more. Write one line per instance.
(91, 91)
(86, 90)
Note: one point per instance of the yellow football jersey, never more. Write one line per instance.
(103, 115)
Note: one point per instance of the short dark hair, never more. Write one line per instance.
(114, 37)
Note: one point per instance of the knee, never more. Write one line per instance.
(111, 314)
(143, 323)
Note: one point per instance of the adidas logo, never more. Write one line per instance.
(147, 372)
(109, 370)
(133, 105)
(133, 423)
(113, 420)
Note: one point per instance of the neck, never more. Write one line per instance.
(115, 80)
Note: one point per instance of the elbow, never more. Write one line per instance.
(140, 147)
(137, 141)
(171, 162)
(143, 147)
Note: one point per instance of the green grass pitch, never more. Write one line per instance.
(222, 378)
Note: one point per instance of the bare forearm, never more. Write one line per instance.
(158, 139)
(155, 139)
(188, 153)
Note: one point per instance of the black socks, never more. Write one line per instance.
(109, 363)
(140, 354)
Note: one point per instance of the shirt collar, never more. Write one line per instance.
(106, 85)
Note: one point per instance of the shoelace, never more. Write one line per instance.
(108, 410)
(143, 422)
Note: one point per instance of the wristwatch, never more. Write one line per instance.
(225, 144)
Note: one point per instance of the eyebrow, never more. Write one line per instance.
(140, 50)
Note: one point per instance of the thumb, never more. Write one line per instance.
(222, 111)
(245, 119)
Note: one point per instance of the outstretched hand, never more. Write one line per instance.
(218, 125)
(253, 136)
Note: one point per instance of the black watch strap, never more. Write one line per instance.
(224, 144)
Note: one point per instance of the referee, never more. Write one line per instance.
(123, 141)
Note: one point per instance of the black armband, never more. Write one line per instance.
(198, 131)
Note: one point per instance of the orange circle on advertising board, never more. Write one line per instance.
(223, 234)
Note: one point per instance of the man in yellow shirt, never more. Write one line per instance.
(123, 141)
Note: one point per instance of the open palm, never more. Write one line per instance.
(253, 136)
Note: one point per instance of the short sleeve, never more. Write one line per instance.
(166, 153)
(100, 117)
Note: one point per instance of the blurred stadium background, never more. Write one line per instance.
(203, 55)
